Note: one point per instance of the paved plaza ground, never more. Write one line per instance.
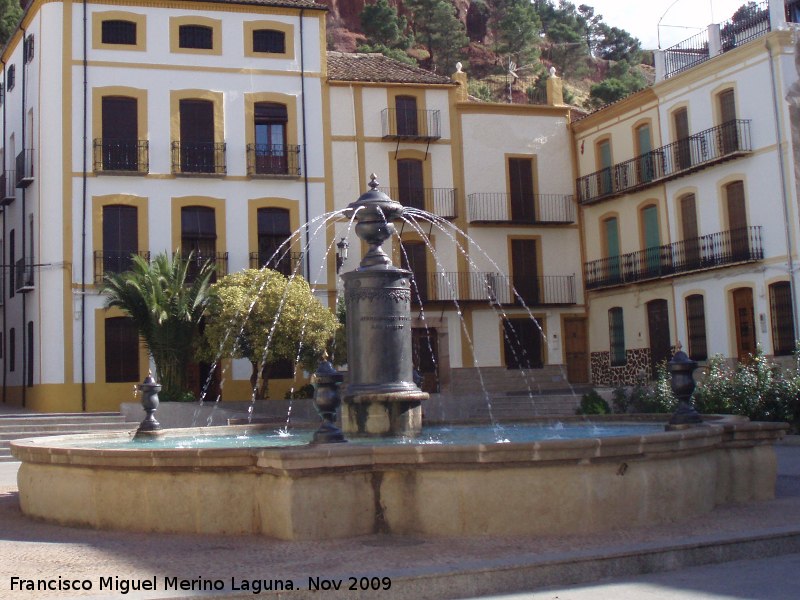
(691, 559)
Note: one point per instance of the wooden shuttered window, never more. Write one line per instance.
(696, 327)
(780, 304)
(520, 174)
(122, 350)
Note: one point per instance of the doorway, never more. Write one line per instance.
(658, 330)
(575, 349)
(744, 323)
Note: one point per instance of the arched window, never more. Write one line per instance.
(696, 327)
(273, 230)
(616, 337)
(780, 305)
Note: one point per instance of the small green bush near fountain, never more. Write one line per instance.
(592, 403)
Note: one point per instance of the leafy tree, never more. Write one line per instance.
(384, 27)
(516, 27)
(264, 317)
(166, 305)
(437, 27)
(591, 25)
(617, 44)
(394, 53)
(622, 81)
(10, 15)
(567, 52)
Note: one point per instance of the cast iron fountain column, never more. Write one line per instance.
(381, 397)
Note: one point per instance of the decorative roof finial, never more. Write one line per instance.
(552, 71)
(373, 182)
(458, 67)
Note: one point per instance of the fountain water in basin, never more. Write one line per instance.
(323, 491)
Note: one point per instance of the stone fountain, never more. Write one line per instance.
(327, 490)
(381, 397)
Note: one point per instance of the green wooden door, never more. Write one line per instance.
(612, 247)
(604, 150)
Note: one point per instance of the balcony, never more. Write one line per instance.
(198, 158)
(25, 168)
(697, 254)
(273, 160)
(196, 262)
(286, 263)
(113, 262)
(411, 124)
(495, 288)
(124, 157)
(547, 209)
(8, 181)
(718, 144)
(439, 201)
(23, 281)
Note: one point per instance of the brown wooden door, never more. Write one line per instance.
(520, 173)
(524, 270)
(575, 349)
(414, 258)
(683, 152)
(728, 135)
(744, 322)
(522, 343)
(197, 136)
(425, 356)
(691, 241)
(658, 329)
(737, 221)
(410, 188)
(120, 130)
(407, 124)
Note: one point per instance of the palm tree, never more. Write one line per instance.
(166, 305)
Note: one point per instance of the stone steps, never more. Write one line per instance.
(523, 407)
(16, 426)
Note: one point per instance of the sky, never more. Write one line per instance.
(680, 19)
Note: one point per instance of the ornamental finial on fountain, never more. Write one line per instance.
(373, 181)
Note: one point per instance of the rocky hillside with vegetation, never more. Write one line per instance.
(507, 46)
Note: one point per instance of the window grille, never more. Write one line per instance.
(196, 36)
(118, 32)
(11, 77)
(269, 40)
(616, 335)
(696, 327)
(27, 48)
(780, 304)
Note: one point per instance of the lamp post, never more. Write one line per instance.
(341, 253)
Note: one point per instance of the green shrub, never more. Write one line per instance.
(758, 389)
(593, 404)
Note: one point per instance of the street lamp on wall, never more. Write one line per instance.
(341, 253)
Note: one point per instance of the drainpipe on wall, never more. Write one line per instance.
(785, 205)
(5, 276)
(83, 222)
(305, 146)
(23, 330)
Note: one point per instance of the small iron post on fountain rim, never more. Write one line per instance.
(681, 368)
(149, 389)
(327, 398)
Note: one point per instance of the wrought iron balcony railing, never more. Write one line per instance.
(24, 275)
(488, 207)
(8, 183)
(688, 155)
(286, 263)
(439, 201)
(696, 254)
(468, 286)
(411, 124)
(114, 262)
(121, 156)
(273, 160)
(198, 158)
(196, 262)
(25, 168)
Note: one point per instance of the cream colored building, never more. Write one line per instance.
(220, 128)
(689, 203)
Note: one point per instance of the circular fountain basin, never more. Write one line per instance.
(544, 486)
